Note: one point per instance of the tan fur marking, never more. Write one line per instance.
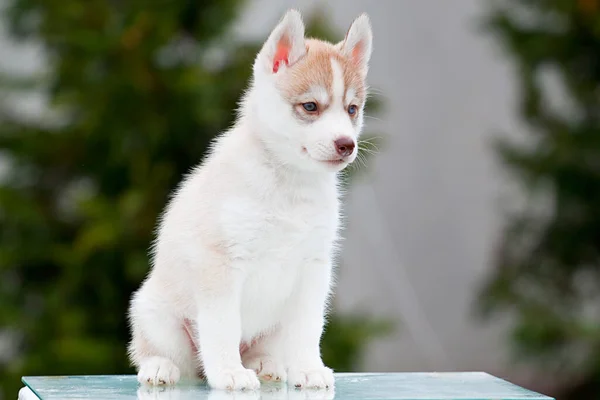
(315, 69)
(354, 79)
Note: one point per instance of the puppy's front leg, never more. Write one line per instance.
(219, 332)
(303, 325)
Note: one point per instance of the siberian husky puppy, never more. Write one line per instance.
(242, 264)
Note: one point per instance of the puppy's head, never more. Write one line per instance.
(310, 94)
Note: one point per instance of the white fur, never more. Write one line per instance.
(318, 93)
(290, 29)
(361, 35)
(245, 248)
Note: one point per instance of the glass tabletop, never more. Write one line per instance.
(350, 386)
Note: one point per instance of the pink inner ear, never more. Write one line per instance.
(281, 55)
(357, 53)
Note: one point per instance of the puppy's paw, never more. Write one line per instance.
(312, 378)
(238, 378)
(267, 369)
(158, 371)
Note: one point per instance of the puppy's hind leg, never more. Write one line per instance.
(263, 356)
(160, 347)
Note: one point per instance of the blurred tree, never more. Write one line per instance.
(136, 91)
(549, 259)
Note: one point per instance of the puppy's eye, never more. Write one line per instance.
(310, 107)
(352, 110)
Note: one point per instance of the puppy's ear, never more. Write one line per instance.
(286, 43)
(358, 43)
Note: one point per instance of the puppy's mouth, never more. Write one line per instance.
(332, 162)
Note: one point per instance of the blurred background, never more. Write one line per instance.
(473, 236)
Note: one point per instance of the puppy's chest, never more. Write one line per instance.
(274, 232)
(275, 244)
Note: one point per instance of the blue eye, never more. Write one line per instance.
(310, 107)
(352, 110)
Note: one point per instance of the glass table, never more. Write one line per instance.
(349, 386)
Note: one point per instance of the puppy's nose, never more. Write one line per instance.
(344, 146)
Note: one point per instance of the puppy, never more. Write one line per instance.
(242, 265)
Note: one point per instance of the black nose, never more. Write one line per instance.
(344, 146)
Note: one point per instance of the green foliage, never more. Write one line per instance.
(136, 91)
(549, 259)
(346, 336)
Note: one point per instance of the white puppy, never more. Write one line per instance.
(242, 265)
